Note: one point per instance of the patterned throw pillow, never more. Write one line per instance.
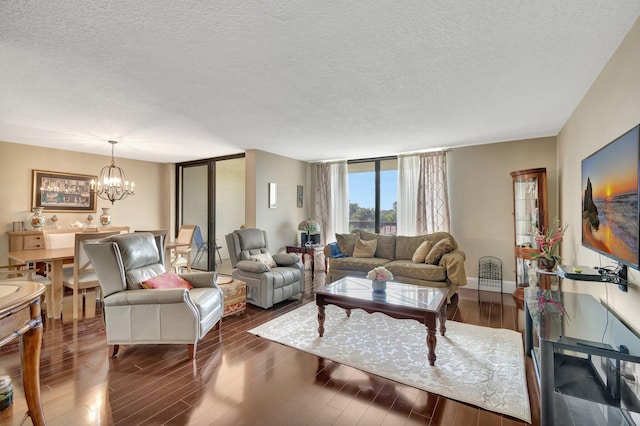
(264, 258)
(440, 248)
(166, 281)
(421, 252)
(365, 248)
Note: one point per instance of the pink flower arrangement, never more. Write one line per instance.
(548, 242)
(380, 273)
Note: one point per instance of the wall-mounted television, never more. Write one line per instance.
(610, 196)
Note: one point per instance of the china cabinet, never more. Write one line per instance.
(529, 218)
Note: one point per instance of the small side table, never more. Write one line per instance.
(235, 295)
(311, 251)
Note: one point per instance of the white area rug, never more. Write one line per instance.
(477, 365)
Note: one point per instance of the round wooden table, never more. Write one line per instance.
(20, 318)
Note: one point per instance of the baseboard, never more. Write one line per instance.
(508, 287)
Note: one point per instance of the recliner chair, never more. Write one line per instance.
(266, 285)
(136, 315)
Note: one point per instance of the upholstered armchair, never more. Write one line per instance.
(267, 282)
(134, 314)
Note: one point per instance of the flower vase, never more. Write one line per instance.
(546, 263)
(378, 286)
(105, 217)
(37, 219)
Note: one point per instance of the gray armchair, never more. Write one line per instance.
(266, 285)
(135, 315)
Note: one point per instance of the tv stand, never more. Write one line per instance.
(570, 347)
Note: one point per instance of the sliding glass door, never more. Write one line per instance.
(210, 195)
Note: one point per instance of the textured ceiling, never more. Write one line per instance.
(312, 80)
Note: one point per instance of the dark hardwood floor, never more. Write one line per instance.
(238, 378)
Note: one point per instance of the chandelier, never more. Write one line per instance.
(112, 184)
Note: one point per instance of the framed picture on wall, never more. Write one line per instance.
(62, 192)
(300, 196)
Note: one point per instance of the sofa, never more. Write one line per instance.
(432, 260)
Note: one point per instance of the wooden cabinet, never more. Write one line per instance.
(530, 216)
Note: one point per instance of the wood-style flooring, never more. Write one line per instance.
(238, 378)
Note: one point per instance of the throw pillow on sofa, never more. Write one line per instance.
(421, 252)
(264, 258)
(439, 249)
(166, 281)
(365, 248)
(347, 243)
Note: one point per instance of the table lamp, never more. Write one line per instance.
(309, 225)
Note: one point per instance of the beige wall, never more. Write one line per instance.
(610, 108)
(150, 208)
(280, 223)
(481, 200)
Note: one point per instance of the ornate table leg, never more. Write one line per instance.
(443, 319)
(430, 322)
(320, 318)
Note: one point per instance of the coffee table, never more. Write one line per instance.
(402, 301)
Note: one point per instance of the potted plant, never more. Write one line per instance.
(548, 243)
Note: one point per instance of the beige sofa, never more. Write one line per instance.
(396, 254)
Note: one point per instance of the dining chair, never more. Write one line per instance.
(181, 255)
(82, 276)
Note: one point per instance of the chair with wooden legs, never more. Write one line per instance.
(181, 256)
(83, 277)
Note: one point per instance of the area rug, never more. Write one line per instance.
(477, 365)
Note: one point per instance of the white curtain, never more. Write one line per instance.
(433, 197)
(332, 199)
(407, 214)
(323, 200)
(339, 197)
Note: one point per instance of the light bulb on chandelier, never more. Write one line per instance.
(110, 182)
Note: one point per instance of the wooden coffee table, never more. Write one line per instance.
(403, 301)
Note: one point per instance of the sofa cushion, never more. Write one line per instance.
(362, 264)
(386, 244)
(347, 243)
(421, 252)
(441, 247)
(406, 246)
(365, 248)
(421, 271)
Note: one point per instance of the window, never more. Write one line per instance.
(373, 195)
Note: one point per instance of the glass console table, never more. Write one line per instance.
(586, 353)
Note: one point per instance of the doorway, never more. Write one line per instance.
(210, 195)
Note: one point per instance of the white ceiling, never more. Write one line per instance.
(313, 79)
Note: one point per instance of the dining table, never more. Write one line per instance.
(56, 257)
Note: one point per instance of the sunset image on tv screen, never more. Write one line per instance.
(610, 199)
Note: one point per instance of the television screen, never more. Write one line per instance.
(610, 199)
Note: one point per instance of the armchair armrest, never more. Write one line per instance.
(199, 279)
(453, 262)
(148, 297)
(251, 266)
(286, 259)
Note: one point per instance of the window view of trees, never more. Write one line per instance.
(365, 218)
(372, 195)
